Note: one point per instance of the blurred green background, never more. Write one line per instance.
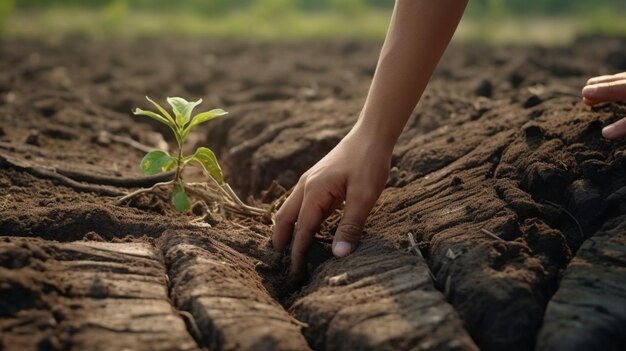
(544, 21)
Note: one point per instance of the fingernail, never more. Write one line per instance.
(590, 91)
(608, 131)
(342, 248)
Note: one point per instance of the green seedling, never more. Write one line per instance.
(213, 192)
(181, 124)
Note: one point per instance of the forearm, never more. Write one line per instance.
(419, 33)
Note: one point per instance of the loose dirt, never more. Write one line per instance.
(515, 201)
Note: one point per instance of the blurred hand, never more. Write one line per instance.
(605, 89)
(355, 171)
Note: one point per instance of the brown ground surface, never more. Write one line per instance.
(500, 144)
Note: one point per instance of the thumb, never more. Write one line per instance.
(351, 226)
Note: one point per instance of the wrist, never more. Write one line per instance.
(375, 132)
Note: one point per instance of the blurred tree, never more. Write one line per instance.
(268, 9)
(213, 8)
(496, 10)
(350, 8)
(6, 8)
(478, 8)
(113, 14)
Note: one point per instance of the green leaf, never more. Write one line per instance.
(180, 200)
(207, 116)
(206, 158)
(163, 111)
(156, 161)
(204, 117)
(182, 109)
(152, 115)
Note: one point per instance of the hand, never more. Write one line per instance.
(604, 89)
(356, 171)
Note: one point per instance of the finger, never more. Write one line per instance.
(616, 130)
(286, 217)
(589, 102)
(315, 205)
(358, 206)
(606, 78)
(601, 92)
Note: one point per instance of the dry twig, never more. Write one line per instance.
(380, 205)
(413, 245)
(487, 232)
(124, 140)
(191, 323)
(4, 203)
(561, 208)
(451, 254)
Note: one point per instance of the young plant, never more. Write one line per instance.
(181, 124)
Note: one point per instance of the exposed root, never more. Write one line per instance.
(212, 195)
(142, 191)
(228, 201)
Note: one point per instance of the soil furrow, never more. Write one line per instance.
(46, 302)
(515, 277)
(383, 305)
(220, 288)
(588, 310)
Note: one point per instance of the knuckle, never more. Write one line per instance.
(309, 184)
(321, 193)
(312, 180)
(350, 231)
(305, 177)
